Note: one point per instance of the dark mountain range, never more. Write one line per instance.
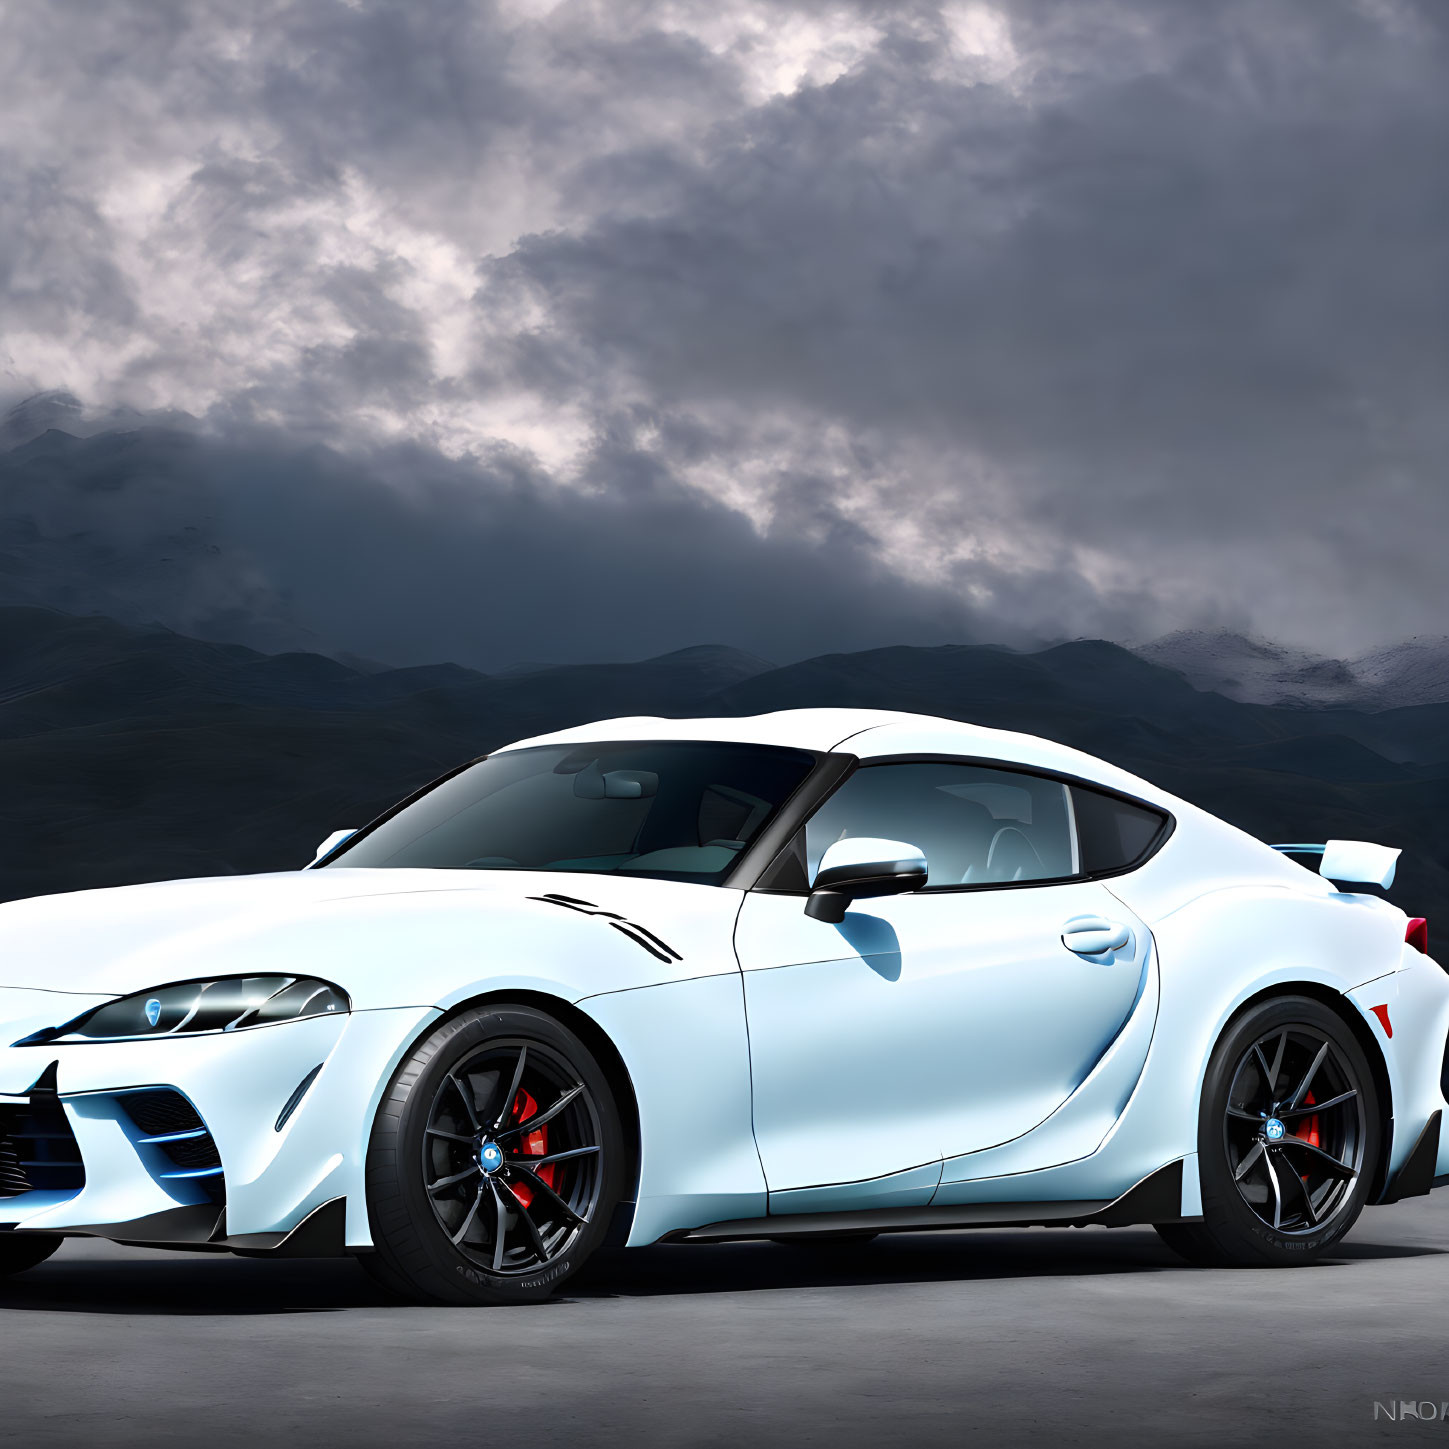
(131, 754)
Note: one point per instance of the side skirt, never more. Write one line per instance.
(1156, 1199)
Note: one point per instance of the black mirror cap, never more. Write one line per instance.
(877, 878)
(827, 906)
(835, 889)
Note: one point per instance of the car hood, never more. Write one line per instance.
(386, 933)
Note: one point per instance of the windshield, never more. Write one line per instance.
(676, 809)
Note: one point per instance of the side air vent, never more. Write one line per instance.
(193, 1152)
(38, 1151)
(158, 1113)
(173, 1127)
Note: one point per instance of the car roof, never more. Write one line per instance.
(867, 734)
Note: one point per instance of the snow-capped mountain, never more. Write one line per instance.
(1256, 672)
(1414, 672)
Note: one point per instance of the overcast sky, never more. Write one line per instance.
(920, 321)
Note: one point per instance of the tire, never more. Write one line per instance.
(458, 1213)
(1281, 1183)
(19, 1251)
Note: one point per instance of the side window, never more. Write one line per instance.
(976, 825)
(1114, 834)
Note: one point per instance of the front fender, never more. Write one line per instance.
(442, 948)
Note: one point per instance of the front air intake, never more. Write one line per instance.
(13, 1180)
(161, 1113)
(38, 1151)
(173, 1127)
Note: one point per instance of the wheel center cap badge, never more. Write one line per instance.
(490, 1157)
(1274, 1130)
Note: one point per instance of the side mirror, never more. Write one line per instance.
(331, 843)
(856, 869)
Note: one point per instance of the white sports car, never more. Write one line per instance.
(808, 976)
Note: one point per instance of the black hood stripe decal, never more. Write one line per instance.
(639, 935)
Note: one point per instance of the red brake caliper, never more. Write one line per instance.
(535, 1144)
(1309, 1131)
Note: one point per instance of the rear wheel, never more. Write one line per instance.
(1288, 1138)
(495, 1162)
(19, 1251)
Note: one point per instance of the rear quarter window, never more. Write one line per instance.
(1115, 834)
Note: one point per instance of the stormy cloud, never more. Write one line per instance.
(794, 326)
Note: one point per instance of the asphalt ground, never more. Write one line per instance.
(1072, 1336)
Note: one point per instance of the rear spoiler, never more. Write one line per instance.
(1357, 861)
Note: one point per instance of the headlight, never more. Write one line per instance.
(231, 1003)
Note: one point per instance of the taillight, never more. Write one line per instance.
(1417, 934)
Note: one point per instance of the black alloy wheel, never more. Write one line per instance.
(1288, 1138)
(1294, 1130)
(496, 1161)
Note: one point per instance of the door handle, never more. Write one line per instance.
(1094, 936)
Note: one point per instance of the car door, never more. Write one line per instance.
(939, 1022)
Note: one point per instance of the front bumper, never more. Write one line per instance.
(137, 1184)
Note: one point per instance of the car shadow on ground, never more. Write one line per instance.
(102, 1280)
(906, 1258)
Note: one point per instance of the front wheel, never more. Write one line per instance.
(495, 1163)
(1288, 1138)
